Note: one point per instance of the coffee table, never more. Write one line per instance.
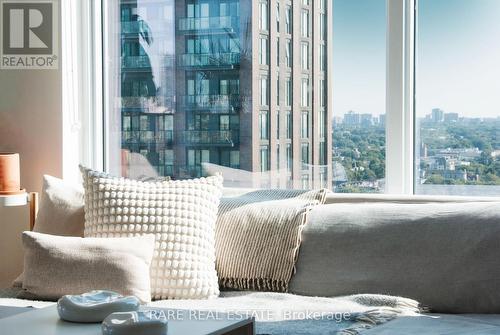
(45, 321)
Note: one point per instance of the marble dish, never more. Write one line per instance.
(94, 306)
(135, 323)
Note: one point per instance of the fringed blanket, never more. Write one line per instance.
(258, 238)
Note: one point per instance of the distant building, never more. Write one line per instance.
(352, 118)
(437, 115)
(450, 117)
(366, 120)
(381, 120)
(337, 121)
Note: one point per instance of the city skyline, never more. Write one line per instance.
(456, 40)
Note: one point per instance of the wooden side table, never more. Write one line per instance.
(17, 214)
(22, 199)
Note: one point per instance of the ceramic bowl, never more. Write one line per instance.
(135, 323)
(94, 306)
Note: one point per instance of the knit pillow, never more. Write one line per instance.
(181, 214)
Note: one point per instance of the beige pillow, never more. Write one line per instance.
(181, 214)
(61, 208)
(57, 265)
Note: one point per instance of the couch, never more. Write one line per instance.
(440, 251)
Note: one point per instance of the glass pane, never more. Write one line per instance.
(190, 90)
(458, 101)
(359, 66)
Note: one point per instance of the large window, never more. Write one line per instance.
(359, 28)
(382, 96)
(458, 97)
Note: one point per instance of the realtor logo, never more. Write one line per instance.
(29, 39)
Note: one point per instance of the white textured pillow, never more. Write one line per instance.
(181, 214)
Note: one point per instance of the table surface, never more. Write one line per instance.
(46, 321)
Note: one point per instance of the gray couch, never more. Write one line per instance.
(440, 251)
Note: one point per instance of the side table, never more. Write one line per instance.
(17, 214)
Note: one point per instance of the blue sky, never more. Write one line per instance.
(458, 59)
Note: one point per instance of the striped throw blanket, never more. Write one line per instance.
(258, 237)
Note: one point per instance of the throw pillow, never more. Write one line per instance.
(258, 237)
(181, 214)
(61, 208)
(55, 265)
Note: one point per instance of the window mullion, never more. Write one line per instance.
(399, 97)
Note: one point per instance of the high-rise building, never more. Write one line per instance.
(450, 117)
(366, 120)
(352, 118)
(437, 115)
(238, 83)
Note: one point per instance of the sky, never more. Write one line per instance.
(458, 56)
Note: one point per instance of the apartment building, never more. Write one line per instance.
(240, 85)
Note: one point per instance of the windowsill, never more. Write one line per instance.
(333, 198)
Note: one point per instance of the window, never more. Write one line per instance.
(359, 67)
(322, 57)
(305, 56)
(264, 54)
(322, 26)
(264, 158)
(304, 125)
(288, 92)
(224, 123)
(277, 17)
(457, 147)
(278, 125)
(289, 158)
(264, 16)
(289, 125)
(305, 23)
(193, 101)
(278, 157)
(278, 89)
(288, 20)
(264, 92)
(264, 126)
(278, 51)
(305, 92)
(304, 154)
(288, 53)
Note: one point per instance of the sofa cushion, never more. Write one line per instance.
(443, 255)
(61, 208)
(181, 214)
(57, 265)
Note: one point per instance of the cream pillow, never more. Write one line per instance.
(61, 208)
(181, 214)
(57, 265)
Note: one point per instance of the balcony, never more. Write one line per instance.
(211, 137)
(211, 101)
(156, 104)
(222, 60)
(141, 62)
(209, 23)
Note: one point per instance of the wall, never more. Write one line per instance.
(31, 121)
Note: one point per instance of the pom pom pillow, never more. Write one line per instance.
(181, 214)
